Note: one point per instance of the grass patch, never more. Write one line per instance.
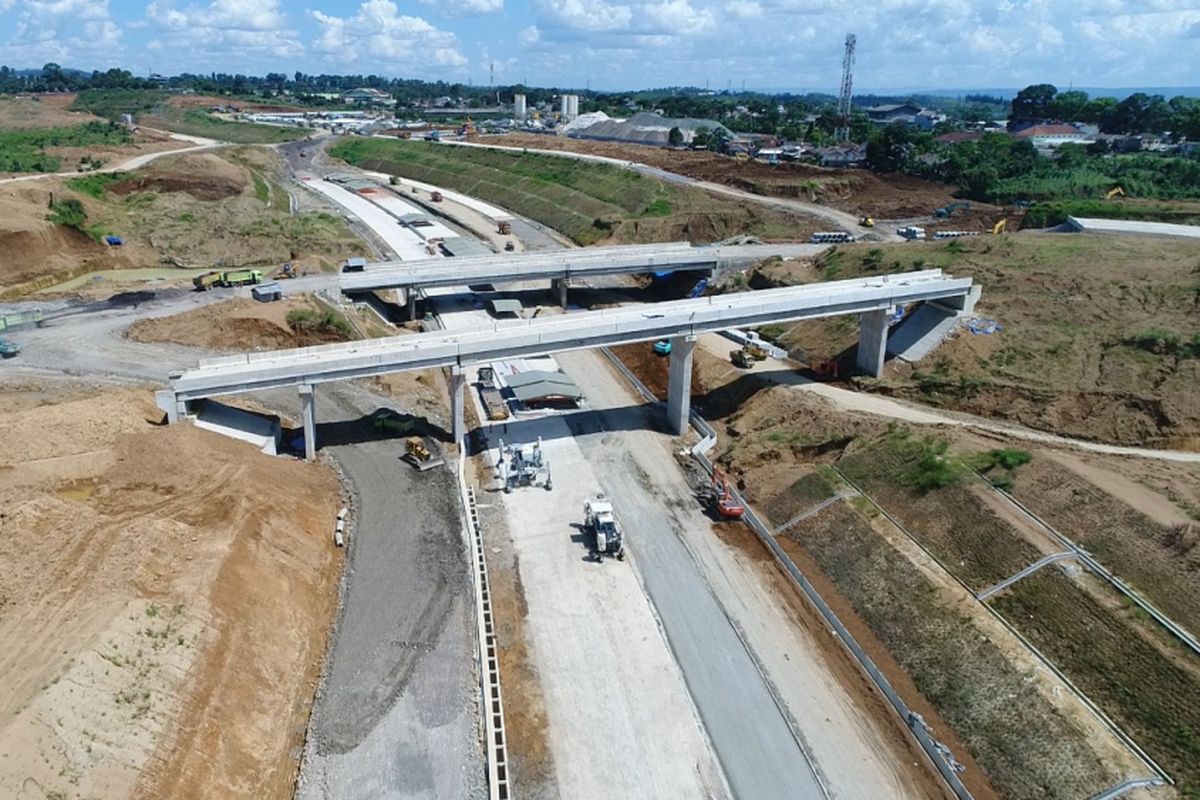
(1029, 750)
(587, 202)
(1045, 215)
(920, 483)
(95, 184)
(25, 150)
(1153, 698)
(261, 192)
(112, 103)
(320, 323)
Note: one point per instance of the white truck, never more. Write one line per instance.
(601, 522)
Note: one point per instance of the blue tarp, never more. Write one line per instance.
(115, 241)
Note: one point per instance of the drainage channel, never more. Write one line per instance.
(495, 741)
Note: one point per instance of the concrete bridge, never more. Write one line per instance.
(558, 267)
(873, 298)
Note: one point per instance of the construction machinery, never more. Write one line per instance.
(1000, 227)
(747, 356)
(504, 227)
(241, 277)
(724, 502)
(948, 211)
(423, 452)
(387, 420)
(285, 271)
(1114, 192)
(206, 281)
(600, 521)
(468, 129)
(867, 222)
(662, 347)
(8, 349)
(827, 370)
(489, 395)
(524, 465)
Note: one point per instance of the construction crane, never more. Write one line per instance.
(1113, 192)
(842, 132)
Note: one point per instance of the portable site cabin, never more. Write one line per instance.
(267, 292)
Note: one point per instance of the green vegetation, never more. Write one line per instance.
(1132, 679)
(1162, 342)
(1045, 215)
(588, 202)
(327, 322)
(25, 150)
(71, 213)
(261, 192)
(195, 122)
(112, 103)
(94, 185)
(1029, 749)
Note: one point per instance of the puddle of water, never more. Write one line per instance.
(79, 491)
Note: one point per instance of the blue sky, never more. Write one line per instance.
(614, 44)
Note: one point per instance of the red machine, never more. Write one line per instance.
(727, 506)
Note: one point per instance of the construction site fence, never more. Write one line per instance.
(934, 750)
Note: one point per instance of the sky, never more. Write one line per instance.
(626, 44)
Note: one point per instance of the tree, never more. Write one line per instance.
(1070, 106)
(1137, 113)
(896, 147)
(675, 137)
(701, 137)
(1034, 102)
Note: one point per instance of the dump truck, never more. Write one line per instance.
(600, 521)
(387, 420)
(489, 395)
(241, 277)
(206, 281)
(20, 319)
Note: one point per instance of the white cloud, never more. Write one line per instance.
(529, 36)
(461, 7)
(377, 33)
(744, 9)
(246, 30)
(67, 32)
(587, 15)
(676, 17)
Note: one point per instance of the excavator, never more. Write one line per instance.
(1113, 192)
(727, 507)
(1000, 227)
(469, 128)
(867, 222)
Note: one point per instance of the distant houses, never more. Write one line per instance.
(367, 96)
(905, 114)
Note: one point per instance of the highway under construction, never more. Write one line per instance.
(714, 689)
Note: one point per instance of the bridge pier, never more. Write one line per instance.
(172, 406)
(411, 296)
(308, 401)
(872, 341)
(559, 285)
(679, 383)
(458, 391)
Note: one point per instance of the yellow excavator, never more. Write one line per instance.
(1114, 192)
(1000, 227)
(867, 222)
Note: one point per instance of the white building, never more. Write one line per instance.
(519, 107)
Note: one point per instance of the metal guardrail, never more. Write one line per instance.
(495, 737)
(1096, 567)
(937, 753)
(1128, 786)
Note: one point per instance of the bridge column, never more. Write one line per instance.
(679, 383)
(308, 400)
(410, 294)
(872, 341)
(458, 391)
(560, 285)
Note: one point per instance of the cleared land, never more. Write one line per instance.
(1101, 337)
(165, 618)
(853, 190)
(590, 203)
(209, 209)
(243, 324)
(156, 109)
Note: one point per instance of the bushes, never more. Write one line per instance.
(1165, 343)
(311, 321)
(94, 185)
(25, 150)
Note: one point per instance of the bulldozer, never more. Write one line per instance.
(423, 453)
(867, 222)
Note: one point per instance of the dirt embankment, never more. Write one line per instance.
(203, 176)
(854, 191)
(166, 599)
(237, 324)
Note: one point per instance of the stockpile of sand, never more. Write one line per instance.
(165, 601)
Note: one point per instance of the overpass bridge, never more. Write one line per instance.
(556, 266)
(873, 298)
